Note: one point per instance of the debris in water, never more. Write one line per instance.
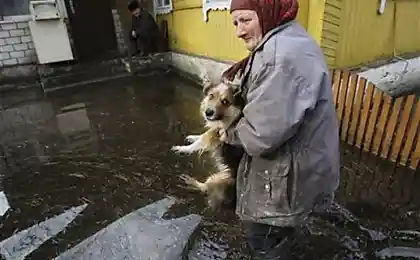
(21, 244)
(399, 251)
(4, 204)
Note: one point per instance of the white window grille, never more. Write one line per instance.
(214, 5)
(163, 6)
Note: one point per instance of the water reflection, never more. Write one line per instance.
(32, 132)
(108, 145)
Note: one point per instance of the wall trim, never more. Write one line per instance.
(174, 50)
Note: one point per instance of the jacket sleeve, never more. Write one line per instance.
(275, 109)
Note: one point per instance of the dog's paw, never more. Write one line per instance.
(192, 138)
(176, 148)
(187, 179)
(181, 149)
(189, 182)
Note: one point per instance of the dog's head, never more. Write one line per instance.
(220, 105)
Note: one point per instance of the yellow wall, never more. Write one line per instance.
(351, 32)
(365, 36)
(215, 38)
(330, 32)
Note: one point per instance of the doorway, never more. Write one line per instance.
(92, 27)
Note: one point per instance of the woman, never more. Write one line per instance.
(289, 129)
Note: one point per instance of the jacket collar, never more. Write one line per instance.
(271, 33)
(260, 45)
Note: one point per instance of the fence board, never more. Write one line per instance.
(412, 133)
(331, 75)
(342, 93)
(377, 100)
(360, 91)
(415, 157)
(390, 130)
(348, 106)
(380, 129)
(336, 86)
(365, 115)
(402, 128)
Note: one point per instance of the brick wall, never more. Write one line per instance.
(16, 46)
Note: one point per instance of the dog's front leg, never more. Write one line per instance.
(197, 145)
(192, 138)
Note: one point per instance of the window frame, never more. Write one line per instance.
(163, 9)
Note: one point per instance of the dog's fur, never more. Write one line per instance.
(220, 107)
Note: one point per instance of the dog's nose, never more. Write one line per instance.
(209, 112)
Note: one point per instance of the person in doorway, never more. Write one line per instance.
(288, 129)
(144, 30)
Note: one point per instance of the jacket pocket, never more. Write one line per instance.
(275, 184)
(280, 189)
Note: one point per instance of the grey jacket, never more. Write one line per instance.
(289, 130)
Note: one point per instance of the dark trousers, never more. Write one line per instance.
(143, 45)
(267, 242)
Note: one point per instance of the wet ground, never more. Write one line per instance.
(107, 147)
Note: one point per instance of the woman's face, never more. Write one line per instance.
(247, 27)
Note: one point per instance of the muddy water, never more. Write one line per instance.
(107, 146)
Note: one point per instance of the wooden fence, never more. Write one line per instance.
(376, 122)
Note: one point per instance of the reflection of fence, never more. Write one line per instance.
(376, 122)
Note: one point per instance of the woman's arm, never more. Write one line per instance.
(275, 109)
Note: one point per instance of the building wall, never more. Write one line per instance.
(363, 36)
(16, 46)
(351, 32)
(214, 38)
(331, 30)
(119, 32)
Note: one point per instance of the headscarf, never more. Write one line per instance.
(271, 14)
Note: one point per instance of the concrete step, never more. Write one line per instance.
(65, 76)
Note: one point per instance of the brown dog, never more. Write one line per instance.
(219, 108)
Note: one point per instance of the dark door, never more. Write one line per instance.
(92, 28)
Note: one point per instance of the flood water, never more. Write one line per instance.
(102, 151)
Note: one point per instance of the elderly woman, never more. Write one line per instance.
(288, 130)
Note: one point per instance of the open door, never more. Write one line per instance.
(92, 27)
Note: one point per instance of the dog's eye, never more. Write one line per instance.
(211, 96)
(225, 102)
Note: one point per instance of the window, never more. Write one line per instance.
(214, 5)
(163, 6)
(14, 7)
(18, 10)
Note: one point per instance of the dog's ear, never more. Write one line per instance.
(206, 82)
(235, 84)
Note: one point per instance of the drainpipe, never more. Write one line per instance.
(382, 6)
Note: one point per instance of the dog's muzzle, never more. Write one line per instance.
(211, 115)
